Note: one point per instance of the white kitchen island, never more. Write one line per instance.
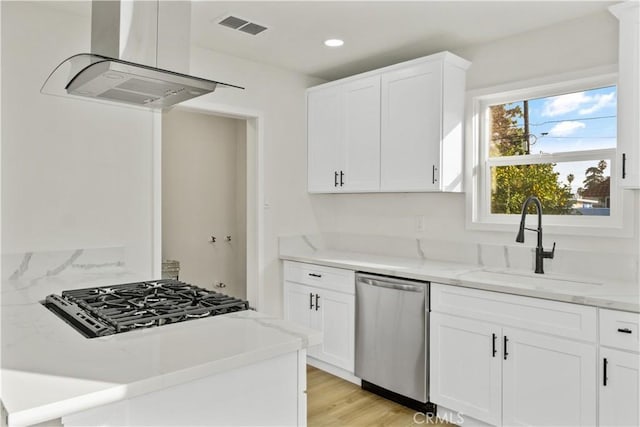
(241, 368)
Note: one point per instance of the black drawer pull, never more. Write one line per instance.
(494, 336)
(625, 330)
(506, 340)
(315, 275)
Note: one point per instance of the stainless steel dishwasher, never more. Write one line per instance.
(392, 357)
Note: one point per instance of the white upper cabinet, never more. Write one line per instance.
(325, 142)
(361, 135)
(628, 13)
(410, 146)
(395, 129)
(343, 136)
(422, 121)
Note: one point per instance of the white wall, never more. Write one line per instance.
(75, 174)
(203, 169)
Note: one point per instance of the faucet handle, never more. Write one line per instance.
(549, 254)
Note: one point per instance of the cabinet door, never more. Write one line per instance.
(411, 123)
(628, 89)
(547, 380)
(362, 135)
(298, 300)
(324, 139)
(335, 317)
(465, 370)
(619, 397)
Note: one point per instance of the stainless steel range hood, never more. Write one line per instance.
(134, 44)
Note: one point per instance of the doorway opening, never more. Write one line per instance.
(204, 199)
(208, 165)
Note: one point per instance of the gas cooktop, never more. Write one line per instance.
(108, 310)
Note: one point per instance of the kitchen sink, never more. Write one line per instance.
(514, 277)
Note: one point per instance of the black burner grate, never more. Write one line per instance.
(112, 309)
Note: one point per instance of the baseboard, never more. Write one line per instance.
(333, 370)
(455, 417)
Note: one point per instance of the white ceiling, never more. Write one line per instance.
(376, 33)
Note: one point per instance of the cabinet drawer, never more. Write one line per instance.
(552, 317)
(619, 329)
(335, 279)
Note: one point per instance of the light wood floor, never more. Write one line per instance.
(332, 401)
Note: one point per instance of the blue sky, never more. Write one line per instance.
(577, 121)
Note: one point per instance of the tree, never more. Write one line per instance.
(511, 185)
(594, 175)
(570, 178)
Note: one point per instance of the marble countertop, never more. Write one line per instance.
(594, 292)
(50, 370)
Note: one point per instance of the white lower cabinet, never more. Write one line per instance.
(502, 375)
(619, 398)
(619, 373)
(465, 370)
(547, 380)
(323, 298)
(336, 320)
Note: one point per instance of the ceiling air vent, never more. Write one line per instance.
(252, 28)
(242, 25)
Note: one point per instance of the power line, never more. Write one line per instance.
(572, 120)
(579, 137)
(516, 126)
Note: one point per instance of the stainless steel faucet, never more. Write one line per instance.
(541, 254)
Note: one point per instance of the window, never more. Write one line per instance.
(556, 142)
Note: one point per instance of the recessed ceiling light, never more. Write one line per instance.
(333, 42)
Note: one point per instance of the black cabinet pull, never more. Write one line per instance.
(494, 336)
(310, 300)
(433, 174)
(317, 299)
(315, 275)
(624, 165)
(625, 330)
(335, 179)
(604, 371)
(505, 340)
(341, 178)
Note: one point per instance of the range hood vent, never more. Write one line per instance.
(123, 66)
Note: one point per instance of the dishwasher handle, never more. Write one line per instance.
(391, 285)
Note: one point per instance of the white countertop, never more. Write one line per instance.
(50, 370)
(594, 292)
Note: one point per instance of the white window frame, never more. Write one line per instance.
(477, 170)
